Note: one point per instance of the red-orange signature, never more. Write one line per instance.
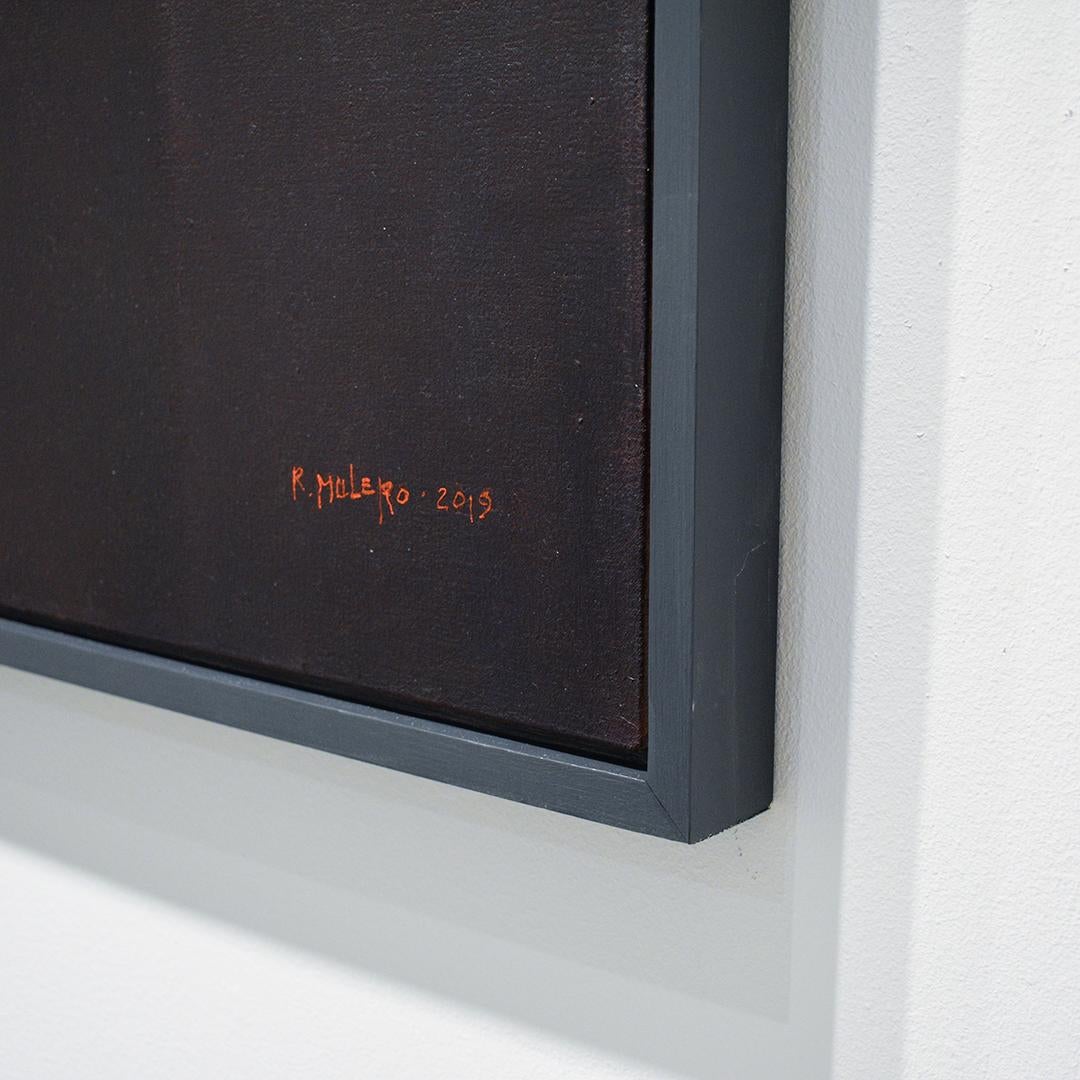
(322, 490)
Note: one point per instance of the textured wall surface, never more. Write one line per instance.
(183, 900)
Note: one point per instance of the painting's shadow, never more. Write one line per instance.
(603, 936)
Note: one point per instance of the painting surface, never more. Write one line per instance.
(323, 334)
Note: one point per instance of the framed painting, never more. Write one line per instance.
(404, 381)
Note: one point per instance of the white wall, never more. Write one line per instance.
(182, 900)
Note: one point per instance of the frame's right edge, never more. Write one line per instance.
(672, 367)
(740, 319)
(720, 152)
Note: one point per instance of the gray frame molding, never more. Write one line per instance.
(719, 153)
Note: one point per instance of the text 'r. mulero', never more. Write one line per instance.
(322, 490)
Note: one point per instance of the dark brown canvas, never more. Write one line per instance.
(323, 347)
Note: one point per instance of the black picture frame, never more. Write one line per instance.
(717, 273)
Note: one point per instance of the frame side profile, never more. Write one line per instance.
(719, 215)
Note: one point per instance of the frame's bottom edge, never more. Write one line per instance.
(554, 780)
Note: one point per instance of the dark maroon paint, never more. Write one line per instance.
(411, 237)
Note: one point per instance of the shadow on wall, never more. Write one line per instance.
(706, 961)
